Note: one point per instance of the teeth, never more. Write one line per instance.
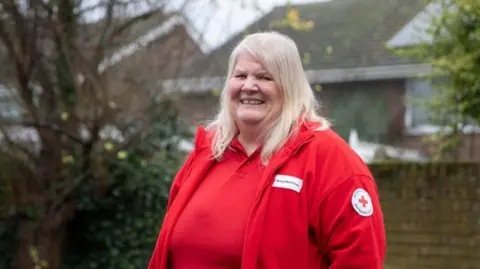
(252, 102)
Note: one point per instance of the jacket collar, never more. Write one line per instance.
(304, 132)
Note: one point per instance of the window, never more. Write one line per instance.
(419, 91)
(418, 120)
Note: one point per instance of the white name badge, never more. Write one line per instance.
(288, 182)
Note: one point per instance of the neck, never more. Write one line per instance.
(251, 137)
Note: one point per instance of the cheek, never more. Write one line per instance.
(275, 94)
(233, 89)
(279, 94)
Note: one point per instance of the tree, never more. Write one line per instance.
(453, 49)
(87, 148)
(76, 129)
(120, 229)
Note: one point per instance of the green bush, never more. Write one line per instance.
(118, 228)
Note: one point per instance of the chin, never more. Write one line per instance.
(251, 120)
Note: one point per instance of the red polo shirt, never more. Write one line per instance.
(210, 231)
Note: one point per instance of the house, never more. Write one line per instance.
(157, 46)
(362, 85)
(162, 43)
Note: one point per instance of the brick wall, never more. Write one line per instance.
(469, 150)
(432, 214)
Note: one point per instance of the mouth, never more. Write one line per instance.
(251, 102)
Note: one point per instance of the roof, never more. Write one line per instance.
(346, 34)
(134, 32)
(130, 32)
(152, 26)
(417, 30)
(138, 25)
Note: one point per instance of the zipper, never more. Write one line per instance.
(278, 166)
(264, 187)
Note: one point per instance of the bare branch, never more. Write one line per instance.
(115, 29)
(55, 129)
(8, 41)
(108, 20)
(43, 40)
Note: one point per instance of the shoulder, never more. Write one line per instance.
(332, 158)
(201, 149)
(334, 168)
(327, 144)
(203, 138)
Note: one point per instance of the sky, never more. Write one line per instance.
(214, 20)
(220, 19)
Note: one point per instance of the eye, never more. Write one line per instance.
(264, 77)
(240, 76)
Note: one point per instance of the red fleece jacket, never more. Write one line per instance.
(318, 207)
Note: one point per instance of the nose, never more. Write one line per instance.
(250, 85)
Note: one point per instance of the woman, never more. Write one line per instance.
(269, 184)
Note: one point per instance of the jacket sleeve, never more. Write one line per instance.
(351, 225)
(156, 258)
(179, 178)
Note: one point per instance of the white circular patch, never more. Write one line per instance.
(362, 203)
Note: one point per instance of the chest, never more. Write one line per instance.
(287, 228)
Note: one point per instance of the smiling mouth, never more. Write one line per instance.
(251, 102)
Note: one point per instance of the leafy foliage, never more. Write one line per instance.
(12, 171)
(8, 237)
(292, 20)
(453, 49)
(119, 229)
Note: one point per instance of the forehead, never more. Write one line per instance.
(245, 61)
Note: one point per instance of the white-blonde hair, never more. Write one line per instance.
(280, 57)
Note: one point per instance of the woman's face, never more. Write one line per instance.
(255, 98)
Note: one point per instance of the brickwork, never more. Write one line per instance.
(432, 214)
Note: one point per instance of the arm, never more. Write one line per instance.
(351, 225)
(179, 177)
(156, 258)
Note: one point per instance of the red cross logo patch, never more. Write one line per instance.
(362, 203)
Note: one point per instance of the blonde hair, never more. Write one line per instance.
(280, 57)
